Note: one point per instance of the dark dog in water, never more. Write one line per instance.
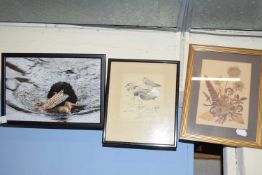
(61, 99)
(67, 89)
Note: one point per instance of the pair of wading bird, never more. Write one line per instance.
(62, 98)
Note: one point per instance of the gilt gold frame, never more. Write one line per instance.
(217, 110)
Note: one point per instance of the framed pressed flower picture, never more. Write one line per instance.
(223, 100)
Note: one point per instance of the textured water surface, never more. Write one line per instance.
(28, 81)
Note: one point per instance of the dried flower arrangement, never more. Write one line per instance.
(224, 98)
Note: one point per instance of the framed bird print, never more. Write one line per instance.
(53, 90)
(142, 100)
(223, 96)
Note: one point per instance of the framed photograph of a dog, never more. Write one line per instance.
(223, 96)
(142, 102)
(53, 90)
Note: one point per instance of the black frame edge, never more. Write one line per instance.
(134, 145)
(56, 125)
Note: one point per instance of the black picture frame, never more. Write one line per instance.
(39, 71)
(127, 123)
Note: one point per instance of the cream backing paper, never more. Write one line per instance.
(213, 68)
(131, 119)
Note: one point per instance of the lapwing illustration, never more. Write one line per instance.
(150, 83)
(154, 87)
(150, 90)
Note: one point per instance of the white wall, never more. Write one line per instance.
(116, 43)
(249, 161)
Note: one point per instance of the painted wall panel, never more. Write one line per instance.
(27, 151)
(49, 151)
